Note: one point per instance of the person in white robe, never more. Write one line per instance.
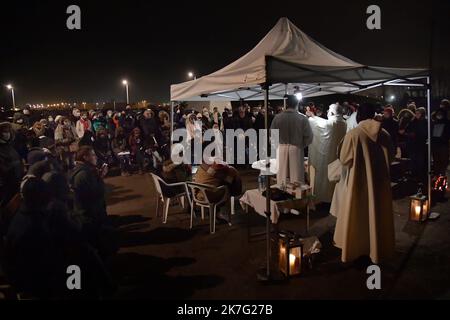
(365, 221)
(351, 121)
(294, 134)
(328, 133)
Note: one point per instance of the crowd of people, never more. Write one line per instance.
(52, 165)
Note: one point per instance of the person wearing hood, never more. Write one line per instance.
(322, 151)
(365, 221)
(11, 166)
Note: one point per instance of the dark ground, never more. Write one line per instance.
(158, 261)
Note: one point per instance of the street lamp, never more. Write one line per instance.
(10, 87)
(125, 83)
(192, 75)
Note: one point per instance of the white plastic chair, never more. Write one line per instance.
(194, 189)
(164, 198)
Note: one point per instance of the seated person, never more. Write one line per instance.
(102, 147)
(173, 173)
(121, 152)
(217, 174)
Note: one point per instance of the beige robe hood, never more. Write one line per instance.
(365, 224)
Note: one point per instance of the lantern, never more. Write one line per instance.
(290, 254)
(419, 207)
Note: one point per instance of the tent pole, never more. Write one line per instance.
(172, 103)
(429, 140)
(266, 125)
(285, 95)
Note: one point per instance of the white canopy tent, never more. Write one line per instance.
(286, 56)
(287, 59)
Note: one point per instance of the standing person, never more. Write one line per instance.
(136, 144)
(11, 167)
(110, 124)
(83, 125)
(416, 138)
(440, 135)
(127, 121)
(148, 126)
(365, 222)
(89, 194)
(75, 116)
(390, 124)
(323, 150)
(294, 135)
(66, 142)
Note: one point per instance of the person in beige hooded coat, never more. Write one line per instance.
(365, 223)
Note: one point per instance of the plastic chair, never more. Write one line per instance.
(166, 196)
(194, 189)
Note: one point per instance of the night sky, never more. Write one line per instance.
(154, 46)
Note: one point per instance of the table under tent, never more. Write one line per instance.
(288, 61)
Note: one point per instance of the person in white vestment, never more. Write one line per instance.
(328, 133)
(294, 135)
(351, 121)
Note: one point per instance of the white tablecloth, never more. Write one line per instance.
(257, 201)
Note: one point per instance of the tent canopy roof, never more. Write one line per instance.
(286, 58)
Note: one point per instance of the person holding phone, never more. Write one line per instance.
(89, 194)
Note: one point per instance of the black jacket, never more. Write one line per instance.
(89, 195)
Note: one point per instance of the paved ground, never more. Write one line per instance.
(165, 261)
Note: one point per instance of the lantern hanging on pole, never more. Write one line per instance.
(290, 254)
(419, 207)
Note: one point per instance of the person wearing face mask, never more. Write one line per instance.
(327, 134)
(440, 135)
(11, 166)
(66, 142)
(83, 125)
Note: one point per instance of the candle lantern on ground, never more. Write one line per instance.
(290, 254)
(419, 207)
